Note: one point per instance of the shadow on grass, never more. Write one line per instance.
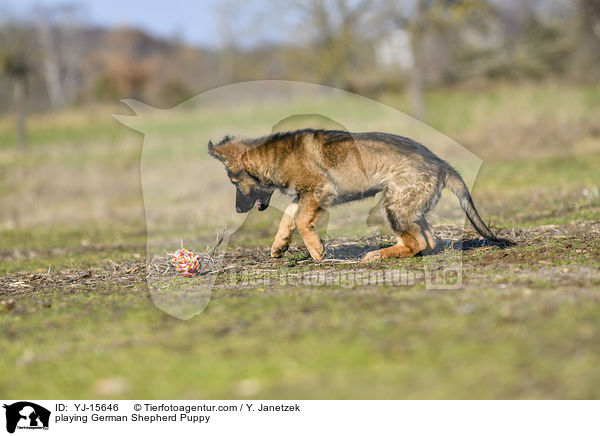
(358, 248)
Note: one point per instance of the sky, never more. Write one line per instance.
(196, 22)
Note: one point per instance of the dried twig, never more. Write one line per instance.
(220, 237)
(114, 264)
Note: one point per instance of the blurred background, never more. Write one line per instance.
(57, 54)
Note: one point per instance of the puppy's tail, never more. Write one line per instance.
(456, 184)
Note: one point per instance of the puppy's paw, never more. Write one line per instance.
(317, 257)
(372, 256)
(276, 252)
(317, 253)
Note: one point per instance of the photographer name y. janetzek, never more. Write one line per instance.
(279, 408)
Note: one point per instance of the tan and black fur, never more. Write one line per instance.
(322, 168)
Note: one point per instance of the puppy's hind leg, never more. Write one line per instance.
(429, 237)
(410, 235)
(410, 242)
(285, 233)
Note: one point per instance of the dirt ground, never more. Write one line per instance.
(555, 255)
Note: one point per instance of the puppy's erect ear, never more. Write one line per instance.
(229, 152)
(211, 150)
(217, 151)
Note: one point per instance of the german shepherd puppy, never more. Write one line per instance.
(322, 168)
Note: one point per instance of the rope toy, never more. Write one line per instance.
(186, 262)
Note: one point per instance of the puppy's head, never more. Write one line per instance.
(249, 191)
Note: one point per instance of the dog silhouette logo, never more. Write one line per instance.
(26, 415)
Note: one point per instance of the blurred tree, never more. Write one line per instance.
(586, 57)
(531, 41)
(227, 13)
(417, 29)
(17, 63)
(335, 27)
(129, 61)
(427, 15)
(131, 76)
(105, 88)
(173, 92)
(60, 40)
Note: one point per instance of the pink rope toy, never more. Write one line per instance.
(186, 262)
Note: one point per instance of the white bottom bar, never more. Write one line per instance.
(308, 417)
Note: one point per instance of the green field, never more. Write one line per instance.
(76, 225)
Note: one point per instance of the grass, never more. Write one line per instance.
(318, 343)
(523, 325)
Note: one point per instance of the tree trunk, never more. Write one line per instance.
(417, 82)
(51, 65)
(586, 58)
(21, 110)
(417, 93)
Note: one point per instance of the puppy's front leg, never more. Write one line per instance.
(285, 233)
(308, 212)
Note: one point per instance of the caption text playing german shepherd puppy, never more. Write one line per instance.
(322, 168)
